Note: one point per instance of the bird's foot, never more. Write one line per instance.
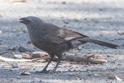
(43, 71)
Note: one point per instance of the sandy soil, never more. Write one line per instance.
(101, 19)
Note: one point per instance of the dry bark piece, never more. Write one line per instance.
(5, 59)
(92, 58)
(96, 58)
(23, 56)
(37, 54)
(25, 73)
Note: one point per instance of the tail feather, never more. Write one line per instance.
(99, 42)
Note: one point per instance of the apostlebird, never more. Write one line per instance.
(55, 40)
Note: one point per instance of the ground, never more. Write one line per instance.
(101, 19)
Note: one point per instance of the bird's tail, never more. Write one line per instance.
(102, 43)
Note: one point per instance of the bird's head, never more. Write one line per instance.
(30, 20)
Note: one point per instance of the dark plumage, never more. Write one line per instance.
(55, 40)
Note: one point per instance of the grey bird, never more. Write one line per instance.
(55, 40)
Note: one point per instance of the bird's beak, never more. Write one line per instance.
(24, 21)
(21, 20)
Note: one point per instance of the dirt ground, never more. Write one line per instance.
(103, 19)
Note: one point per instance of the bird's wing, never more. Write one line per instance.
(69, 34)
(60, 35)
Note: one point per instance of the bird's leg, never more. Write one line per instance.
(45, 68)
(58, 61)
